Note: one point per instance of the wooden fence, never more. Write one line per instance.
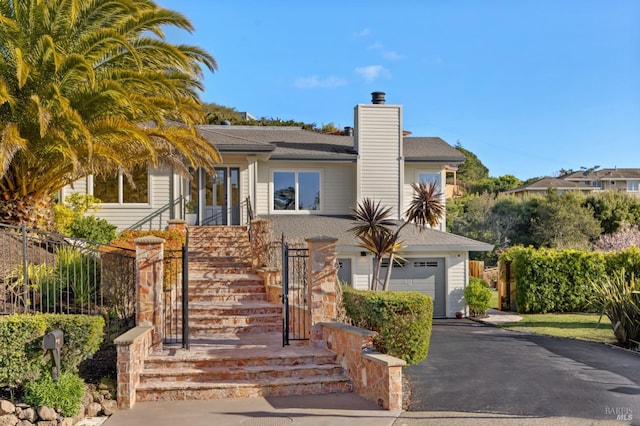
(506, 286)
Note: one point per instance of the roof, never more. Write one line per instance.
(300, 227)
(546, 183)
(604, 174)
(295, 143)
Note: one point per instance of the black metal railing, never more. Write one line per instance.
(158, 219)
(294, 293)
(176, 295)
(52, 273)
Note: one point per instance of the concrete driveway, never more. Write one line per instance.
(474, 367)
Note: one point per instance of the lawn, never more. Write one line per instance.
(493, 303)
(575, 326)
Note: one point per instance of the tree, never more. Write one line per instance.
(562, 222)
(374, 225)
(614, 209)
(92, 87)
(472, 170)
(494, 185)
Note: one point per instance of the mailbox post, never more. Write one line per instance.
(53, 342)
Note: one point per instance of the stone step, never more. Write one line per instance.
(164, 391)
(245, 308)
(223, 374)
(227, 297)
(198, 320)
(216, 288)
(210, 330)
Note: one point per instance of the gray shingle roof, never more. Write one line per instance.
(544, 184)
(604, 174)
(299, 227)
(295, 143)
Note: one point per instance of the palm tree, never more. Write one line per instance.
(374, 225)
(92, 87)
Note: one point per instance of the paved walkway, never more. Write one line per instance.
(500, 317)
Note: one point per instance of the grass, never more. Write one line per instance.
(574, 326)
(493, 303)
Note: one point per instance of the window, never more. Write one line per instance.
(432, 177)
(632, 185)
(296, 191)
(118, 189)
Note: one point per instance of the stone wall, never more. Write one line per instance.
(376, 377)
(133, 348)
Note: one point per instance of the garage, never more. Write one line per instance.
(424, 275)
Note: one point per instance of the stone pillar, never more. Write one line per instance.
(149, 276)
(323, 272)
(177, 225)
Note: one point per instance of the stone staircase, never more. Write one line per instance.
(236, 334)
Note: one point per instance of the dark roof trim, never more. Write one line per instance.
(448, 160)
(245, 148)
(343, 158)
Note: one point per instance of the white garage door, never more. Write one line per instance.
(424, 275)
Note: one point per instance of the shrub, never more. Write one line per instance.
(401, 319)
(21, 355)
(80, 272)
(478, 296)
(65, 395)
(93, 229)
(549, 280)
(618, 298)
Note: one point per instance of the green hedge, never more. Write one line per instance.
(549, 280)
(401, 319)
(21, 355)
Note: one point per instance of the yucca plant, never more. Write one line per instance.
(618, 298)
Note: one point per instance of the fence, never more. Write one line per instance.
(295, 287)
(176, 296)
(52, 273)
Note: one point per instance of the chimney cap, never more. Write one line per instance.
(377, 98)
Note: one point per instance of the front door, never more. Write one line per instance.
(223, 197)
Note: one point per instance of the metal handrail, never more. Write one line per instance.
(149, 218)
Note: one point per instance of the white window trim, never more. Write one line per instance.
(120, 202)
(272, 209)
(637, 185)
(432, 172)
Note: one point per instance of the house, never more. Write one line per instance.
(625, 180)
(541, 186)
(307, 183)
(586, 181)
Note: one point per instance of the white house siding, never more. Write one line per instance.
(337, 185)
(378, 135)
(126, 215)
(457, 277)
(362, 269)
(411, 176)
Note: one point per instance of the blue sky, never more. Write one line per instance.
(529, 86)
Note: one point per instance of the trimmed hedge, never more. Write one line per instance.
(21, 353)
(401, 319)
(549, 280)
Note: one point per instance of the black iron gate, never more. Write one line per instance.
(176, 296)
(296, 318)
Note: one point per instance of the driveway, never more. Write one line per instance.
(479, 368)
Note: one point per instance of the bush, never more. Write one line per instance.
(65, 395)
(21, 357)
(93, 229)
(478, 296)
(21, 354)
(618, 298)
(549, 280)
(401, 319)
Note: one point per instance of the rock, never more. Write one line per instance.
(47, 413)
(98, 398)
(67, 421)
(8, 419)
(87, 398)
(24, 423)
(93, 409)
(6, 407)
(28, 414)
(109, 407)
(47, 423)
(103, 386)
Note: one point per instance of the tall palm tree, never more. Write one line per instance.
(92, 87)
(374, 227)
